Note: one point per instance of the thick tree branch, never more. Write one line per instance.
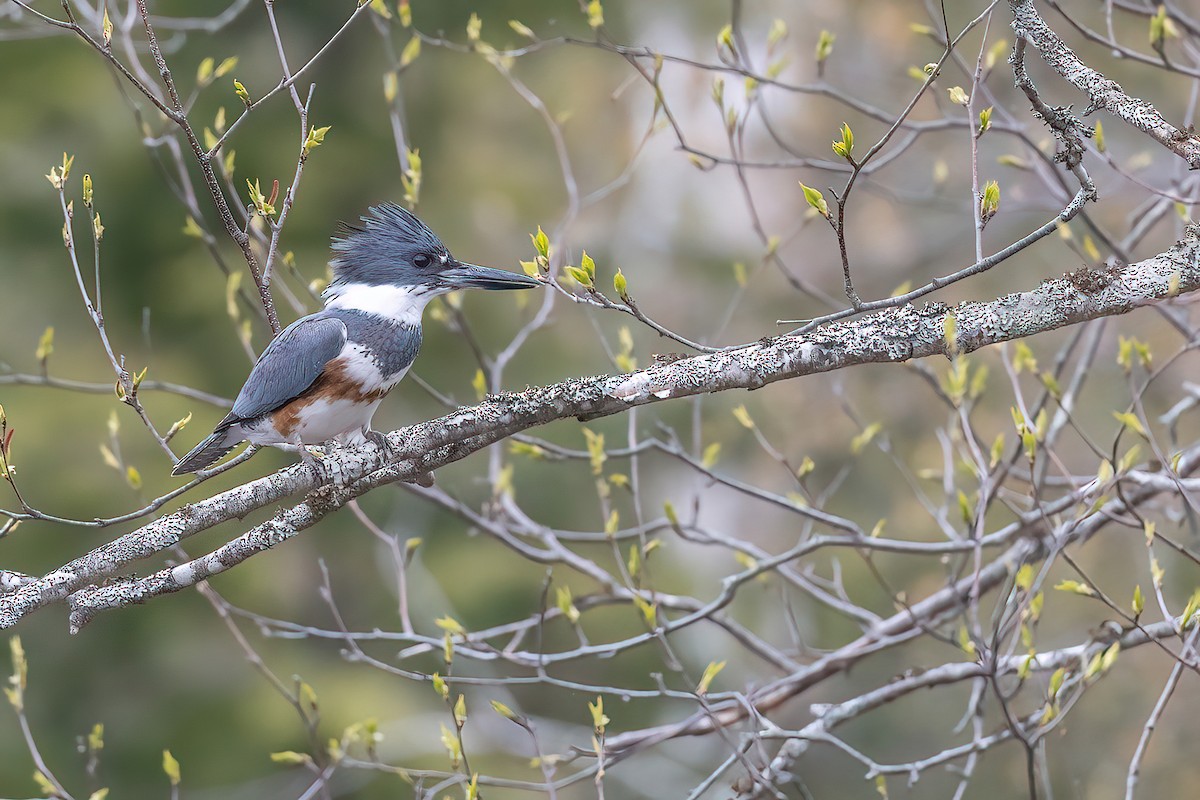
(1103, 93)
(893, 335)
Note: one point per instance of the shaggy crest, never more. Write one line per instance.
(382, 249)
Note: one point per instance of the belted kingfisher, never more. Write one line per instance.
(325, 374)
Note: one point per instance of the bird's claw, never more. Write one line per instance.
(325, 466)
(381, 443)
(385, 446)
(328, 471)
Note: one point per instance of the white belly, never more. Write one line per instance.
(318, 422)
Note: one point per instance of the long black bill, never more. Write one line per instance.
(472, 276)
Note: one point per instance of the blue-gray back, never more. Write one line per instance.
(289, 365)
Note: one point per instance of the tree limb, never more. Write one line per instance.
(1103, 92)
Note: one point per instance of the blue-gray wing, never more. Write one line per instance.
(289, 365)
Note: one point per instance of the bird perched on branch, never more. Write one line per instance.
(325, 374)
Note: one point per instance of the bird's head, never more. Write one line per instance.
(393, 249)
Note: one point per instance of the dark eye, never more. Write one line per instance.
(421, 261)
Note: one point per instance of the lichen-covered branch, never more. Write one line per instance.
(1102, 92)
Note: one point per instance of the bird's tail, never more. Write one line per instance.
(207, 452)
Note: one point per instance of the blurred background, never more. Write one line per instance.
(567, 136)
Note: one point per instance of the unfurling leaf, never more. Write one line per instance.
(1131, 421)
(596, 453)
(106, 27)
(225, 67)
(845, 146)
(994, 53)
(241, 92)
(260, 201)
(1161, 28)
(816, 200)
(865, 438)
(985, 120)
(44, 784)
(541, 242)
(460, 710)
(599, 718)
(580, 276)
(503, 710)
(177, 426)
(595, 14)
(316, 137)
(710, 672)
(565, 603)
(171, 767)
(1075, 587)
(989, 201)
(1024, 578)
(620, 285)
(45, 346)
(20, 677)
(453, 748)
(1056, 680)
(204, 73)
(410, 52)
(588, 265)
(1023, 359)
(725, 38)
(290, 757)
(824, 46)
(521, 29)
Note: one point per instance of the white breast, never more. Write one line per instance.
(403, 304)
(362, 368)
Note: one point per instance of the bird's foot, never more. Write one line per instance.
(424, 479)
(381, 443)
(325, 466)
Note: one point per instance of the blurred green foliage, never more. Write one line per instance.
(170, 676)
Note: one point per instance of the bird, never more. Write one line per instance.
(323, 376)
